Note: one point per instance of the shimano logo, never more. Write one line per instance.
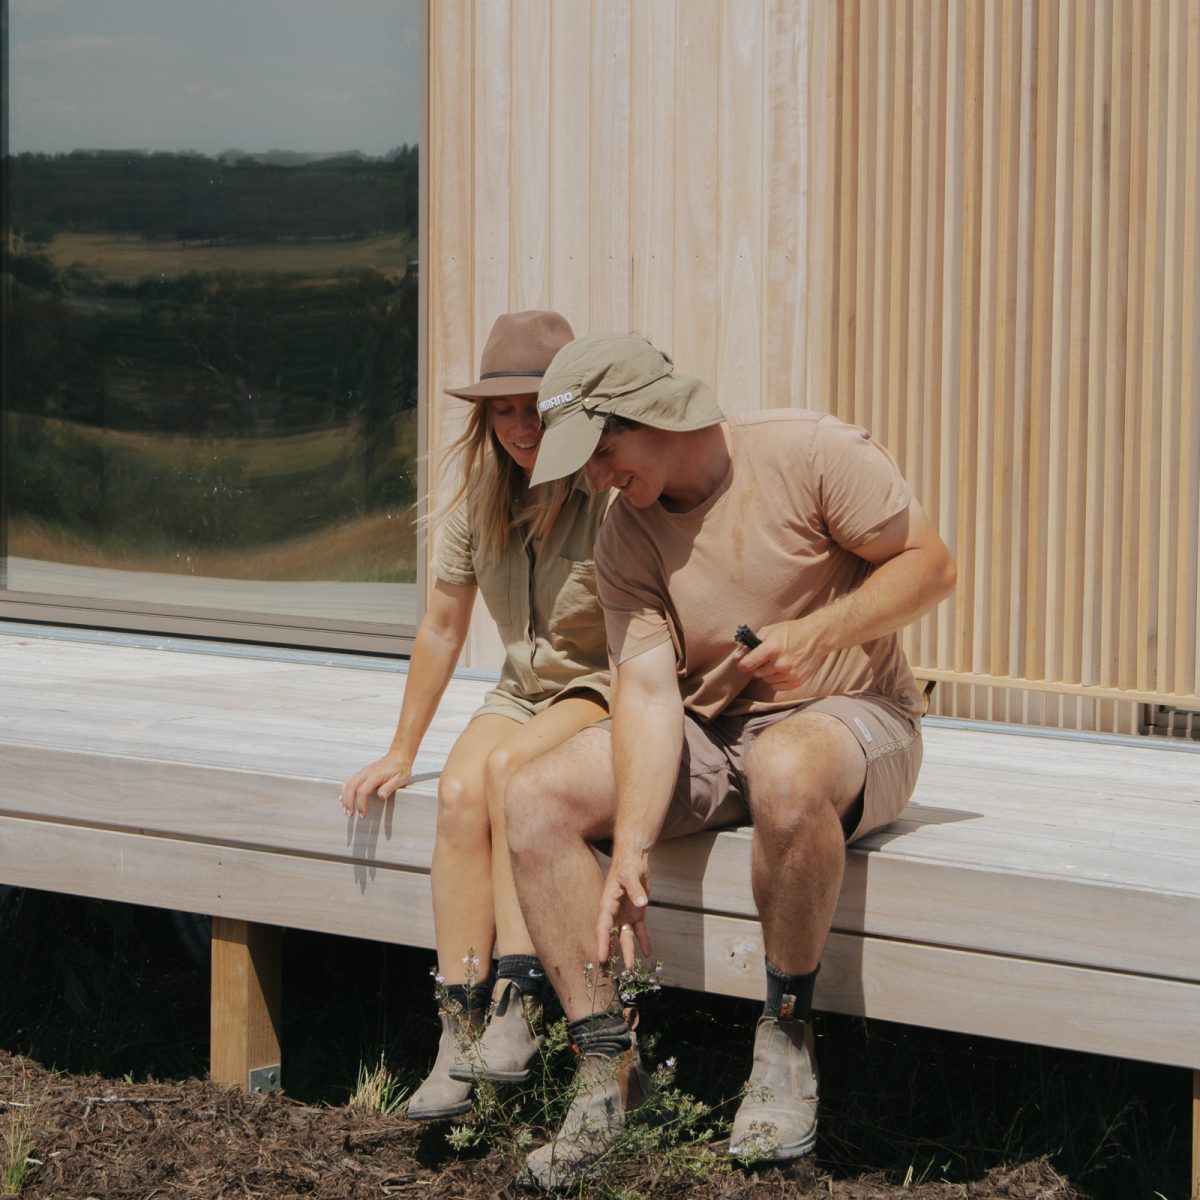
(553, 402)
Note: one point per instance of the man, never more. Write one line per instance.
(803, 528)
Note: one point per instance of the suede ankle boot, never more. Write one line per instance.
(441, 1096)
(508, 1046)
(777, 1119)
(607, 1092)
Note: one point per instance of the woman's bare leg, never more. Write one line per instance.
(464, 915)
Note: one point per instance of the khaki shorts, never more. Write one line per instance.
(521, 708)
(710, 790)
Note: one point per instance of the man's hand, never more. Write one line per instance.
(623, 907)
(380, 778)
(787, 658)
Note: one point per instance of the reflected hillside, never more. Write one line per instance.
(212, 363)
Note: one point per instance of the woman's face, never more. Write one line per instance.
(516, 423)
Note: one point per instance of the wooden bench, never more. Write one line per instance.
(1042, 889)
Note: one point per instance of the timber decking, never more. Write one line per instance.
(1042, 889)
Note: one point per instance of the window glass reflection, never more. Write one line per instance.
(210, 323)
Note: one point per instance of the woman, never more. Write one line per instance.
(530, 554)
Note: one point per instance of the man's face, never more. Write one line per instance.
(631, 461)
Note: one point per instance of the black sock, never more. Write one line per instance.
(604, 1033)
(789, 997)
(525, 970)
(469, 998)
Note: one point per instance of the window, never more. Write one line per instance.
(210, 316)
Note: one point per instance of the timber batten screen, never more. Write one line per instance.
(1023, 325)
(970, 227)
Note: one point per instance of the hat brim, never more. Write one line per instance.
(566, 446)
(502, 385)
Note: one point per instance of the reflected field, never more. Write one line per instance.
(222, 389)
(129, 259)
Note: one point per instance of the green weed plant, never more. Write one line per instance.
(672, 1132)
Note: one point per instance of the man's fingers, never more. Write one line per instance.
(643, 937)
(751, 660)
(604, 926)
(603, 940)
(627, 939)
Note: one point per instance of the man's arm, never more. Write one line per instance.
(647, 744)
(914, 571)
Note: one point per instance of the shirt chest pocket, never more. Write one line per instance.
(575, 614)
(504, 586)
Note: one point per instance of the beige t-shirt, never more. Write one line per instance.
(772, 543)
(544, 603)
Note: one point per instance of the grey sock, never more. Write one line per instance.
(603, 1033)
(789, 997)
(469, 997)
(525, 970)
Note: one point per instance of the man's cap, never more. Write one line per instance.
(518, 351)
(603, 373)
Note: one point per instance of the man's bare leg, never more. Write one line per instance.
(555, 806)
(805, 774)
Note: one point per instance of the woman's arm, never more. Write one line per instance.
(439, 641)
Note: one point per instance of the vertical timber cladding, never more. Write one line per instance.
(972, 227)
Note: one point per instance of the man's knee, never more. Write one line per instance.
(530, 811)
(546, 800)
(800, 776)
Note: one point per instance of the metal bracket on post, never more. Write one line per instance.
(263, 1079)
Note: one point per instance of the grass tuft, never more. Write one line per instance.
(377, 1089)
(17, 1118)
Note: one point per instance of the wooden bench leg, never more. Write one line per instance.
(246, 987)
(1196, 1135)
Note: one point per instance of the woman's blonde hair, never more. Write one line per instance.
(495, 488)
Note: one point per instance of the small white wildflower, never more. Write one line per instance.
(439, 979)
(589, 966)
(670, 1064)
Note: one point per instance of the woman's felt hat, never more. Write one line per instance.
(518, 351)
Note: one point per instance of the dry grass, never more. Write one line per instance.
(379, 549)
(289, 453)
(16, 1124)
(129, 259)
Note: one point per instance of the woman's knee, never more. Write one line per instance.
(499, 768)
(462, 813)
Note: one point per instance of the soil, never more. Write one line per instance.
(89, 1136)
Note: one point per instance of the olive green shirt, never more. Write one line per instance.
(544, 602)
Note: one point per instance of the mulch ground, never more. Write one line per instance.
(88, 1136)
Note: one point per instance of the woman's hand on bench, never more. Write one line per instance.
(380, 779)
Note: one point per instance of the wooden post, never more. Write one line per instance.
(1196, 1135)
(245, 1004)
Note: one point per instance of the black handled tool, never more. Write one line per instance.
(747, 637)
